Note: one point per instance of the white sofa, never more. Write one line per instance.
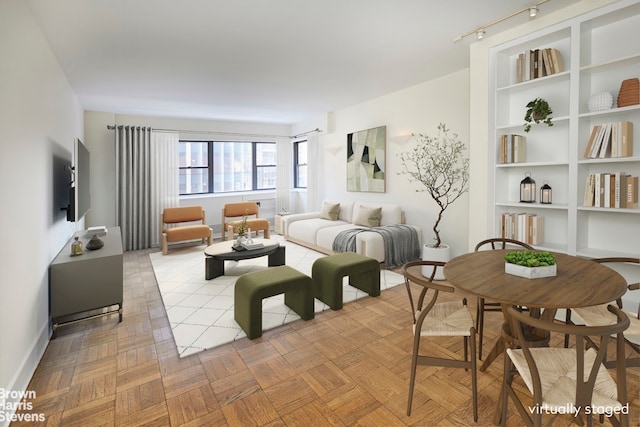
(312, 231)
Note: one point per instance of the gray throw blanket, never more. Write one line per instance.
(401, 243)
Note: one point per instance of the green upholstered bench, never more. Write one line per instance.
(327, 273)
(252, 288)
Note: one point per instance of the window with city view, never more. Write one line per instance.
(224, 166)
(300, 163)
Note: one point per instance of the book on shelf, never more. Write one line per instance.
(605, 147)
(619, 183)
(592, 137)
(606, 203)
(522, 226)
(546, 59)
(611, 190)
(625, 139)
(589, 191)
(632, 191)
(536, 63)
(556, 59)
(513, 148)
(610, 140)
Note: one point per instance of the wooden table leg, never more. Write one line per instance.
(497, 349)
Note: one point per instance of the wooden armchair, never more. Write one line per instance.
(569, 379)
(232, 214)
(170, 231)
(433, 319)
(600, 315)
(494, 243)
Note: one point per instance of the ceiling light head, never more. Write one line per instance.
(480, 34)
(533, 11)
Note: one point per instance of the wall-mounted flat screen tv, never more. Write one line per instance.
(80, 191)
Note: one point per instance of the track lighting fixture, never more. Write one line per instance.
(481, 31)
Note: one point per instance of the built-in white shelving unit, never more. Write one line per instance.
(598, 52)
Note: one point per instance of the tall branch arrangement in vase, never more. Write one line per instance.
(439, 164)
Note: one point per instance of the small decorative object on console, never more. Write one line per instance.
(95, 243)
(76, 247)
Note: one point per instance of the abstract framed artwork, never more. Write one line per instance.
(366, 160)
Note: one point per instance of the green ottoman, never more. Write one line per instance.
(252, 288)
(327, 273)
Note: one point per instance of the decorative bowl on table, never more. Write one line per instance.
(530, 264)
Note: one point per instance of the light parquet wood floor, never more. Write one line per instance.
(349, 367)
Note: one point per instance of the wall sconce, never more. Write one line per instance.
(334, 149)
(480, 34)
(533, 11)
(527, 189)
(545, 193)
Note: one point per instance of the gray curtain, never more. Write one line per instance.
(146, 170)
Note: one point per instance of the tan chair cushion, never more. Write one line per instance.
(187, 232)
(182, 214)
(240, 209)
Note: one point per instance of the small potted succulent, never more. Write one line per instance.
(530, 264)
(538, 111)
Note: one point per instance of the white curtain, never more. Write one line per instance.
(283, 174)
(164, 176)
(312, 172)
(146, 170)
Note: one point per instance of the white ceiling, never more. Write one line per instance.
(273, 61)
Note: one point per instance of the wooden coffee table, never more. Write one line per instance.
(218, 253)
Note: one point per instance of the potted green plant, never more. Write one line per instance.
(438, 163)
(538, 111)
(530, 264)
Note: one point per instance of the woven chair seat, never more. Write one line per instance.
(447, 319)
(557, 368)
(599, 315)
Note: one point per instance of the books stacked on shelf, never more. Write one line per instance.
(522, 226)
(537, 63)
(611, 190)
(513, 149)
(610, 140)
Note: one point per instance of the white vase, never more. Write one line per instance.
(430, 253)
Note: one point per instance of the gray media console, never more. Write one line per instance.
(89, 282)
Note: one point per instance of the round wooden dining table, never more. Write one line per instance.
(579, 282)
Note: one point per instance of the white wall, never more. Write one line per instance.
(39, 116)
(418, 109)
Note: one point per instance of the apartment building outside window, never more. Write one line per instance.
(225, 166)
(300, 164)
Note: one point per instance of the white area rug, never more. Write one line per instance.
(201, 311)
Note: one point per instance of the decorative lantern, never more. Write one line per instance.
(527, 189)
(545, 193)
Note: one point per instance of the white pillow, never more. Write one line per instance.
(330, 211)
(368, 217)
